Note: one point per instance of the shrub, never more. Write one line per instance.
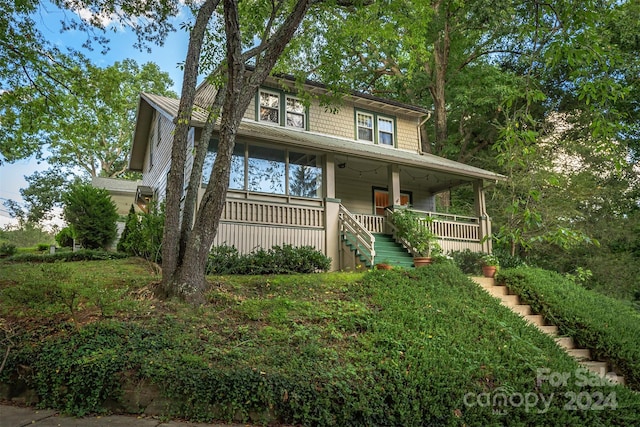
(81, 255)
(65, 237)
(284, 259)
(43, 247)
(610, 328)
(7, 249)
(91, 214)
(468, 261)
(142, 235)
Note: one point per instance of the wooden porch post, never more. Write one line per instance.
(481, 213)
(331, 212)
(394, 184)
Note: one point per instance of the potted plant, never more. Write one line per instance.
(490, 264)
(412, 230)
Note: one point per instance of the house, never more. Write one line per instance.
(303, 174)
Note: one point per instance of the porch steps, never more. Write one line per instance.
(582, 355)
(388, 251)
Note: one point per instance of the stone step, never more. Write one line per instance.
(484, 281)
(581, 354)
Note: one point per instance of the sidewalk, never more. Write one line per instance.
(15, 416)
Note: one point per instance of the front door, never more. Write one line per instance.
(381, 200)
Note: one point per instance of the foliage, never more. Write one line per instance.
(91, 214)
(284, 259)
(386, 348)
(609, 327)
(67, 256)
(65, 237)
(490, 259)
(26, 235)
(414, 229)
(468, 261)
(7, 249)
(142, 235)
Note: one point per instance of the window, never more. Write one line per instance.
(295, 113)
(385, 131)
(266, 169)
(365, 126)
(375, 128)
(269, 107)
(305, 175)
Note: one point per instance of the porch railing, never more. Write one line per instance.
(272, 214)
(357, 235)
(373, 223)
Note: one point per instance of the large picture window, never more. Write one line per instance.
(270, 170)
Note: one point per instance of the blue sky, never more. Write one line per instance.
(48, 20)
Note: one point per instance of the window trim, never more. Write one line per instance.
(376, 127)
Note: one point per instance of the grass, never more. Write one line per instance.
(405, 347)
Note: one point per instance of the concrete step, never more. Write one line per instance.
(581, 354)
(565, 342)
(550, 329)
(536, 319)
(599, 368)
(522, 309)
(510, 300)
(484, 281)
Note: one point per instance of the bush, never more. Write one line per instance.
(7, 249)
(43, 247)
(82, 255)
(65, 238)
(92, 215)
(142, 235)
(284, 259)
(610, 328)
(468, 261)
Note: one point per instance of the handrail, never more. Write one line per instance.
(449, 217)
(356, 234)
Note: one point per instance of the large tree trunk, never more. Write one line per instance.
(441, 50)
(175, 181)
(189, 281)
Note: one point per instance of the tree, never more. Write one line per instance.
(91, 214)
(185, 250)
(37, 72)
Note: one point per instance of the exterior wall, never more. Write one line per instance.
(342, 122)
(158, 156)
(249, 237)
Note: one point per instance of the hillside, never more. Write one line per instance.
(406, 347)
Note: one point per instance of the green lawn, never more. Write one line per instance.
(405, 347)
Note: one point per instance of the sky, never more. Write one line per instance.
(48, 20)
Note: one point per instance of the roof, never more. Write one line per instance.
(308, 140)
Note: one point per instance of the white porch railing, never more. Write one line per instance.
(373, 223)
(357, 235)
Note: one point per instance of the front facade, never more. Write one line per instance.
(308, 175)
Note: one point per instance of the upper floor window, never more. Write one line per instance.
(296, 113)
(365, 126)
(385, 131)
(375, 128)
(269, 107)
(281, 109)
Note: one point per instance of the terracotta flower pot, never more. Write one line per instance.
(422, 261)
(489, 270)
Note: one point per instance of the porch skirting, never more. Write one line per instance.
(249, 237)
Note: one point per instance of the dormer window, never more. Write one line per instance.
(281, 109)
(269, 107)
(375, 128)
